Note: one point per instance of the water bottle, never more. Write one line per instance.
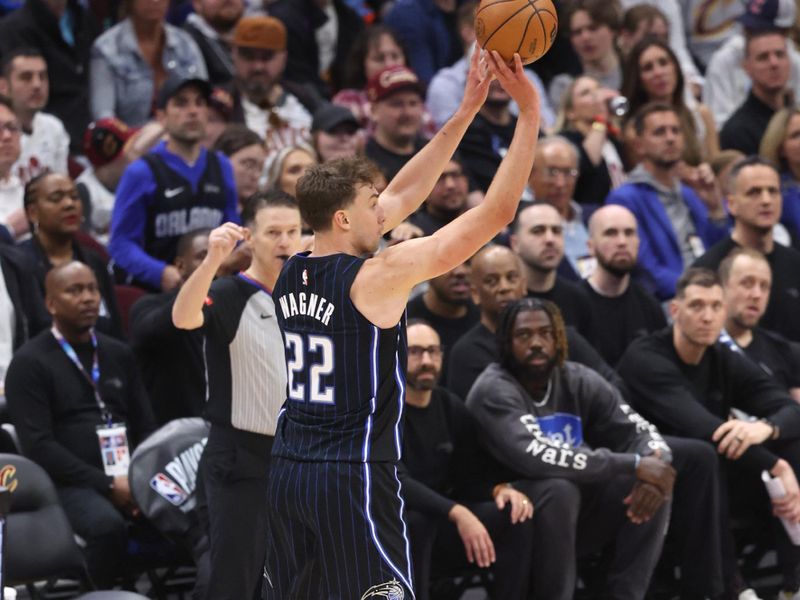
(775, 489)
(619, 106)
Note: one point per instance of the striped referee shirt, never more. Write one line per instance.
(245, 363)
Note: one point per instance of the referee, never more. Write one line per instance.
(246, 387)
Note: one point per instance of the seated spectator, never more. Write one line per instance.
(621, 309)
(447, 200)
(246, 152)
(538, 239)
(397, 105)
(676, 224)
(592, 25)
(334, 132)
(425, 29)
(552, 180)
(728, 82)
(755, 204)
(446, 89)
(746, 280)
(781, 146)
(448, 505)
(584, 120)
(45, 142)
(259, 99)
(703, 41)
(12, 190)
(53, 207)
(320, 34)
(686, 384)
(211, 26)
(175, 188)
(108, 144)
(133, 59)
(496, 281)
(373, 50)
(766, 62)
(488, 136)
(598, 473)
(171, 359)
(220, 112)
(642, 21)
(61, 387)
(288, 165)
(652, 74)
(446, 305)
(63, 32)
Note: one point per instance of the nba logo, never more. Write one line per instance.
(168, 489)
(305, 277)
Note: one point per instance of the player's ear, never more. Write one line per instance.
(673, 309)
(341, 220)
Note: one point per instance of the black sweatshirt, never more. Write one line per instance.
(53, 407)
(694, 400)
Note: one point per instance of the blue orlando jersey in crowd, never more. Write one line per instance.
(346, 376)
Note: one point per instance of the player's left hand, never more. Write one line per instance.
(521, 505)
(736, 436)
(514, 81)
(478, 79)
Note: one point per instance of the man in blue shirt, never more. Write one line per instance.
(177, 187)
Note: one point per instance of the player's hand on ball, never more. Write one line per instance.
(515, 82)
(478, 79)
(222, 241)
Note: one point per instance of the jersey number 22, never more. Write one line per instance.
(319, 348)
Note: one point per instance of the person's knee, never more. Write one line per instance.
(557, 498)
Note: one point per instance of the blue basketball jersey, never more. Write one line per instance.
(346, 380)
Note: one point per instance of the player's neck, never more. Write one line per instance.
(418, 398)
(442, 308)
(747, 237)
(743, 336)
(607, 284)
(331, 242)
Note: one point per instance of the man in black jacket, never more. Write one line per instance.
(211, 26)
(66, 47)
(599, 472)
(686, 383)
(64, 388)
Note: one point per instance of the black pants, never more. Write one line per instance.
(572, 520)
(103, 528)
(436, 545)
(232, 505)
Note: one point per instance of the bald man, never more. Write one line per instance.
(621, 309)
(497, 279)
(61, 386)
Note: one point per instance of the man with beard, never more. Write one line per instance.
(260, 101)
(397, 104)
(447, 200)
(687, 383)
(746, 280)
(451, 503)
(538, 239)
(246, 387)
(599, 473)
(487, 139)
(211, 26)
(675, 224)
(446, 305)
(755, 203)
(176, 188)
(496, 281)
(621, 309)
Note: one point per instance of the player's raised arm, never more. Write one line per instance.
(384, 281)
(414, 182)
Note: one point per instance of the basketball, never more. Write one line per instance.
(527, 27)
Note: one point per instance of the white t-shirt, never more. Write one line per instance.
(12, 193)
(297, 121)
(6, 329)
(326, 37)
(45, 148)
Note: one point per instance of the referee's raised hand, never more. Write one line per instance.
(223, 240)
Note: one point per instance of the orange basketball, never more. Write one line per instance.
(527, 27)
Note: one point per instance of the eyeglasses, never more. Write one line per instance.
(418, 351)
(10, 127)
(553, 172)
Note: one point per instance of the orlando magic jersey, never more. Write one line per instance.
(346, 376)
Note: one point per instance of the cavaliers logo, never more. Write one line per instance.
(391, 590)
(8, 477)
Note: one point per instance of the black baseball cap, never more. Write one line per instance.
(329, 116)
(173, 85)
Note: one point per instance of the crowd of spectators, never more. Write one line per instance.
(652, 270)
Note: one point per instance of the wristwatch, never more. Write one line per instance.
(776, 431)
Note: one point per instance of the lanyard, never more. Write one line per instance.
(252, 281)
(94, 378)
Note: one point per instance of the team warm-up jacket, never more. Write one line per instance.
(585, 432)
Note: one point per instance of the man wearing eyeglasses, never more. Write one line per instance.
(12, 191)
(553, 178)
(456, 510)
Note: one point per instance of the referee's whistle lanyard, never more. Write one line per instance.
(94, 377)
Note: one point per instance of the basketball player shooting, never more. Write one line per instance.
(336, 509)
